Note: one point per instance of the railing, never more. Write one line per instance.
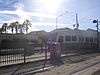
(28, 52)
(14, 53)
(78, 47)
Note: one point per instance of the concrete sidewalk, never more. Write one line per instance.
(80, 68)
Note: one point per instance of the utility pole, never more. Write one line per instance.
(56, 23)
(60, 16)
(57, 19)
(97, 36)
(96, 21)
(77, 24)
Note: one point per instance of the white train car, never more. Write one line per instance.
(75, 40)
(66, 35)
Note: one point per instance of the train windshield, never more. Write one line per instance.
(52, 37)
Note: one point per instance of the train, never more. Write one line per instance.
(75, 40)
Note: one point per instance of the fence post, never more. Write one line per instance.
(41, 47)
(45, 55)
(25, 48)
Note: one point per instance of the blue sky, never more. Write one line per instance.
(43, 13)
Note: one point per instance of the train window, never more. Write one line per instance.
(60, 39)
(86, 39)
(74, 38)
(67, 38)
(82, 39)
(79, 39)
(95, 39)
(91, 39)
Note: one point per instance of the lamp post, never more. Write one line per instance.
(59, 16)
(96, 21)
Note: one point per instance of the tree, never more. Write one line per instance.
(12, 25)
(26, 24)
(16, 26)
(21, 28)
(5, 27)
(1, 30)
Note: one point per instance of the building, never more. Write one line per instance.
(35, 35)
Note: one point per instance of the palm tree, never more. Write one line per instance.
(27, 23)
(1, 30)
(16, 26)
(12, 25)
(21, 28)
(5, 27)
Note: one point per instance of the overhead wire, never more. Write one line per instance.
(84, 18)
(10, 4)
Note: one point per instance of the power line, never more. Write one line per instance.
(84, 18)
(10, 4)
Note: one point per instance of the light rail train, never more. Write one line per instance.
(75, 40)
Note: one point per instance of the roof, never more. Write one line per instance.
(78, 32)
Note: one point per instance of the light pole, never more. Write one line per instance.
(96, 21)
(58, 17)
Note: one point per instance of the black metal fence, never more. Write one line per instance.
(78, 47)
(14, 53)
